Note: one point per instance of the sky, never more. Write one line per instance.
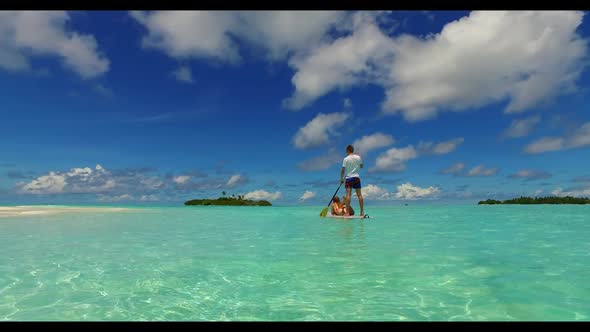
(159, 107)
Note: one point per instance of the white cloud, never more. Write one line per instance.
(307, 195)
(181, 179)
(317, 131)
(355, 59)
(322, 162)
(531, 174)
(284, 33)
(545, 144)
(152, 183)
(393, 160)
(116, 198)
(183, 74)
(236, 180)
(41, 33)
(263, 195)
(480, 170)
(370, 142)
(149, 198)
(213, 34)
(186, 34)
(372, 191)
(87, 180)
(454, 169)
(521, 127)
(579, 138)
(524, 57)
(440, 148)
(48, 184)
(407, 191)
(584, 192)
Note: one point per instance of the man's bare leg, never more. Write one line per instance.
(347, 201)
(361, 202)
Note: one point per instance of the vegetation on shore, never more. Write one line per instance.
(539, 200)
(231, 201)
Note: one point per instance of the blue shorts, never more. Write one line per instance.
(354, 183)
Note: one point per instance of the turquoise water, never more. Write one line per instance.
(428, 263)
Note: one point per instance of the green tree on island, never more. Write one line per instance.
(539, 200)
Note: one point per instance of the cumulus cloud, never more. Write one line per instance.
(371, 142)
(149, 198)
(581, 192)
(236, 180)
(87, 180)
(545, 144)
(530, 174)
(317, 131)
(214, 34)
(186, 34)
(529, 57)
(359, 58)
(183, 74)
(181, 179)
(480, 170)
(307, 195)
(46, 184)
(24, 34)
(263, 195)
(322, 162)
(284, 33)
(373, 192)
(115, 198)
(521, 127)
(454, 169)
(407, 191)
(579, 138)
(394, 159)
(440, 148)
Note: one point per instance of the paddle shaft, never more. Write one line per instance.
(334, 194)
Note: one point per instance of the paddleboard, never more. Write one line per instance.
(349, 217)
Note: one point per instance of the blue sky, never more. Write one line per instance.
(161, 107)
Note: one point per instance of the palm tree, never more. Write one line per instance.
(223, 192)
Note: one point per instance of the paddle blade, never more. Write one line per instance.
(324, 212)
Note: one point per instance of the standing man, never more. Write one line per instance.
(351, 166)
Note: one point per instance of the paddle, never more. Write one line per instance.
(325, 210)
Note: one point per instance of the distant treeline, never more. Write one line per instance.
(228, 201)
(539, 200)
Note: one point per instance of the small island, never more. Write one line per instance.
(231, 201)
(539, 200)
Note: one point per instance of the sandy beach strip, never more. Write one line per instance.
(29, 210)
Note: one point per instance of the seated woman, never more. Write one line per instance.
(337, 207)
(350, 210)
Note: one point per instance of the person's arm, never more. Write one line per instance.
(342, 175)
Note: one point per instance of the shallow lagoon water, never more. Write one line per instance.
(409, 263)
